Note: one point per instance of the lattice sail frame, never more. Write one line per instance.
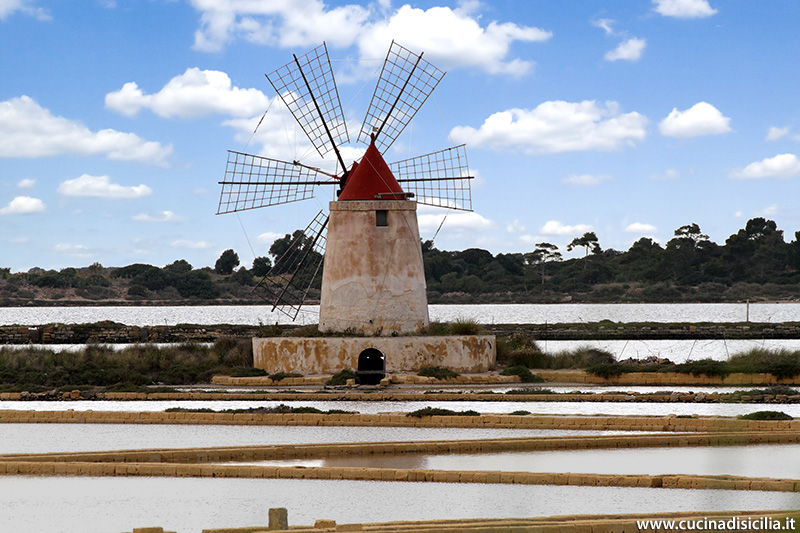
(440, 179)
(308, 88)
(288, 282)
(405, 83)
(253, 181)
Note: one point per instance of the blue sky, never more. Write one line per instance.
(626, 118)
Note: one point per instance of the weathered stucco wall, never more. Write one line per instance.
(327, 355)
(373, 280)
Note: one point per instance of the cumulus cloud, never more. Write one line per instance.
(555, 127)
(190, 245)
(685, 9)
(459, 222)
(23, 205)
(770, 211)
(606, 25)
(554, 227)
(101, 187)
(26, 183)
(195, 93)
(268, 237)
(667, 175)
(630, 50)
(776, 133)
(26, 7)
(29, 130)
(163, 216)
(700, 119)
(780, 166)
(73, 250)
(640, 228)
(453, 37)
(584, 180)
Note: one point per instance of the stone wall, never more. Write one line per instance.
(327, 355)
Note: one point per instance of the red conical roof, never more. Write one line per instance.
(371, 179)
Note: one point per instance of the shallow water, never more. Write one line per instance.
(776, 461)
(44, 438)
(483, 313)
(188, 505)
(546, 408)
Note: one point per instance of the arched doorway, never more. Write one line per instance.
(371, 366)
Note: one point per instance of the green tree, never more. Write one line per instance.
(543, 253)
(181, 266)
(589, 242)
(261, 266)
(226, 262)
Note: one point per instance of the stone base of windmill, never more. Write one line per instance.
(374, 357)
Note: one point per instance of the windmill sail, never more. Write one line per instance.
(289, 281)
(405, 83)
(252, 181)
(308, 89)
(440, 179)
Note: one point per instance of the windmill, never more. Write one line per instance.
(373, 279)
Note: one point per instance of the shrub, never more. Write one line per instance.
(436, 411)
(766, 415)
(438, 372)
(340, 378)
(707, 367)
(520, 413)
(248, 372)
(531, 390)
(465, 326)
(524, 374)
(282, 375)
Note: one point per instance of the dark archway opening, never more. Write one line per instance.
(371, 366)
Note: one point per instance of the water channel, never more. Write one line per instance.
(188, 505)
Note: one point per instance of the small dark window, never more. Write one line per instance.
(381, 217)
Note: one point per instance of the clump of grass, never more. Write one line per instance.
(520, 413)
(766, 415)
(531, 390)
(248, 372)
(438, 372)
(781, 363)
(436, 411)
(340, 378)
(283, 375)
(705, 367)
(524, 374)
(465, 326)
(278, 409)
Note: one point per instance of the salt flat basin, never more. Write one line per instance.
(776, 461)
(45, 438)
(188, 505)
(545, 408)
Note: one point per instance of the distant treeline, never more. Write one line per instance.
(754, 263)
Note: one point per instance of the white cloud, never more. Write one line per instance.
(605, 24)
(641, 229)
(583, 180)
(190, 245)
(687, 9)
(770, 211)
(163, 216)
(557, 126)
(26, 183)
(29, 130)
(101, 187)
(780, 166)
(285, 23)
(195, 93)
(700, 119)
(26, 7)
(554, 227)
(452, 38)
(667, 175)
(23, 205)
(268, 237)
(630, 50)
(516, 227)
(456, 222)
(776, 133)
(73, 250)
